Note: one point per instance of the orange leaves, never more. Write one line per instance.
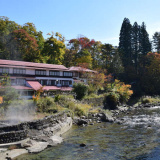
(120, 88)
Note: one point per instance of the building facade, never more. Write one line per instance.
(28, 77)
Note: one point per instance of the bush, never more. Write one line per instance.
(149, 99)
(45, 104)
(80, 89)
(111, 101)
(81, 109)
(120, 88)
(63, 100)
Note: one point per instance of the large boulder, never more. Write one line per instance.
(105, 117)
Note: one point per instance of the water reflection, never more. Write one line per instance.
(138, 138)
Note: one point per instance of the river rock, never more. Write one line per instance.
(26, 143)
(37, 147)
(82, 145)
(54, 140)
(105, 117)
(82, 122)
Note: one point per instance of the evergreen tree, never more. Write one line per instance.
(125, 42)
(145, 44)
(156, 41)
(135, 44)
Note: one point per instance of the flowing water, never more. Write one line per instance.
(138, 138)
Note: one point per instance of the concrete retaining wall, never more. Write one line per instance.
(47, 126)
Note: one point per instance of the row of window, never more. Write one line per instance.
(18, 81)
(22, 81)
(37, 72)
(54, 82)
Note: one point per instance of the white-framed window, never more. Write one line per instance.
(19, 71)
(21, 81)
(54, 73)
(4, 70)
(40, 72)
(67, 74)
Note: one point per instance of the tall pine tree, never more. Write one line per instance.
(136, 44)
(145, 44)
(156, 41)
(125, 42)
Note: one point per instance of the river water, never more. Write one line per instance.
(137, 138)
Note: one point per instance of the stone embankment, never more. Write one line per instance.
(34, 136)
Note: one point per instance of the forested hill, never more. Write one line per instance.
(132, 61)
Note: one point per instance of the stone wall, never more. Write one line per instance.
(36, 129)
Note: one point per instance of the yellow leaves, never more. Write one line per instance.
(121, 88)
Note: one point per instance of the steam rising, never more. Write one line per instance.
(20, 112)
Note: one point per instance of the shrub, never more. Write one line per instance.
(80, 89)
(120, 88)
(56, 98)
(149, 99)
(111, 100)
(81, 109)
(63, 100)
(45, 104)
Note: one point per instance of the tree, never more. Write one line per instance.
(82, 48)
(80, 89)
(6, 28)
(6, 91)
(54, 48)
(110, 59)
(145, 44)
(156, 41)
(150, 79)
(136, 44)
(96, 55)
(107, 52)
(125, 46)
(31, 30)
(26, 47)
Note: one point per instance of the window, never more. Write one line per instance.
(67, 74)
(4, 70)
(41, 72)
(13, 81)
(54, 73)
(20, 81)
(43, 82)
(19, 71)
(75, 74)
(65, 83)
(30, 93)
(51, 82)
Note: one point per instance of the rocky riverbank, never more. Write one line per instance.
(47, 132)
(113, 117)
(39, 134)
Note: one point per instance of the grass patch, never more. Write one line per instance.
(149, 99)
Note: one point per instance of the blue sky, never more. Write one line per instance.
(96, 19)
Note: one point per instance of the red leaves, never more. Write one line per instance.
(22, 36)
(83, 42)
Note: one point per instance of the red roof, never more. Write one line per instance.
(35, 85)
(80, 69)
(22, 87)
(47, 88)
(66, 88)
(31, 64)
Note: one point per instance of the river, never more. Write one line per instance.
(137, 138)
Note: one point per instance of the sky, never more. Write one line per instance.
(96, 19)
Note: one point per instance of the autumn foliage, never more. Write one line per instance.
(121, 90)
